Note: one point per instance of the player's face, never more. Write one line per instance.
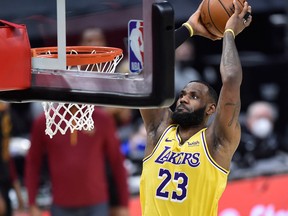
(191, 105)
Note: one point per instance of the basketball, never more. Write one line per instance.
(215, 13)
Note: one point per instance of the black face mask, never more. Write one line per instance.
(187, 119)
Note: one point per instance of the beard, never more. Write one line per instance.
(188, 119)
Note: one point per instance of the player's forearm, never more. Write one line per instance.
(230, 67)
(181, 35)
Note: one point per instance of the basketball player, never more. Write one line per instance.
(187, 161)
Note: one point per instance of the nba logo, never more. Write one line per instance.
(135, 45)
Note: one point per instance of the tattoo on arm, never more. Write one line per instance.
(235, 113)
(230, 56)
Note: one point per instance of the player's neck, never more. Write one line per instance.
(186, 132)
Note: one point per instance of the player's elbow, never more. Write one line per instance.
(231, 75)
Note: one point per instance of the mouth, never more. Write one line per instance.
(181, 108)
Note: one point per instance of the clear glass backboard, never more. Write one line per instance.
(143, 78)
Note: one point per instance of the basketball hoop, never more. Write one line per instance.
(86, 58)
(71, 116)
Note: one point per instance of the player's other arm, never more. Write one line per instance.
(155, 122)
(193, 26)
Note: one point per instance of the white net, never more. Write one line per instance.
(67, 116)
(70, 116)
(102, 67)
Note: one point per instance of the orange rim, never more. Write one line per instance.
(80, 55)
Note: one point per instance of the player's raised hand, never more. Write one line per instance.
(198, 27)
(240, 19)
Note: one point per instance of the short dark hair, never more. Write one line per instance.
(213, 94)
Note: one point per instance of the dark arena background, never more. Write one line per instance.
(263, 49)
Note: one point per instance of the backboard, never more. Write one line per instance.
(61, 23)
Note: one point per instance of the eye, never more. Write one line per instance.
(195, 97)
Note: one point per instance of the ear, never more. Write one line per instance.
(211, 109)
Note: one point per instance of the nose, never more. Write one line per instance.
(183, 99)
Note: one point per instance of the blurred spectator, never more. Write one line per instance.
(259, 140)
(124, 121)
(123, 66)
(77, 167)
(8, 174)
(137, 143)
(184, 70)
(93, 37)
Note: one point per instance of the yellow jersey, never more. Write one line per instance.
(181, 179)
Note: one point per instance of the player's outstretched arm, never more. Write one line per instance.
(225, 129)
